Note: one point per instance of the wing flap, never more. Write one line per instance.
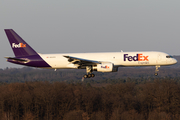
(81, 61)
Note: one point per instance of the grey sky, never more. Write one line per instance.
(65, 26)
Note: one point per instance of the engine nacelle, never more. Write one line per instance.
(105, 67)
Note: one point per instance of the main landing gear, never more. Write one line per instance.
(89, 72)
(156, 71)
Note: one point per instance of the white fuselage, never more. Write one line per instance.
(101, 62)
(58, 61)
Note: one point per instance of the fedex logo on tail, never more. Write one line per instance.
(20, 45)
(138, 57)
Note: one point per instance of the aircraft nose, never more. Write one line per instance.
(174, 61)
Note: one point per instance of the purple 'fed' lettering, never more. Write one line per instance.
(130, 58)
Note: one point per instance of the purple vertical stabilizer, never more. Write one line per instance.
(19, 46)
(25, 55)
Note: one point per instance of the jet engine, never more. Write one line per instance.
(105, 67)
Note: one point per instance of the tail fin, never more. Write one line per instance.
(19, 46)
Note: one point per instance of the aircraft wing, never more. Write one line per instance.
(81, 62)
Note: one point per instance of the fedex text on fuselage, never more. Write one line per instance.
(137, 57)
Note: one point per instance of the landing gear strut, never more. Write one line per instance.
(89, 72)
(156, 71)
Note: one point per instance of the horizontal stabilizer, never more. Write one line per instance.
(16, 59)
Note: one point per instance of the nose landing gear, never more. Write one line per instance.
(156, 71)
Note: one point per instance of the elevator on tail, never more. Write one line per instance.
(101, 62)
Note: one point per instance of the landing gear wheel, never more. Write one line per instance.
(156, 74)
(92, 75)
(89, 75)
(85, 76)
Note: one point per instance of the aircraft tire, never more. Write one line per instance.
(89, 75)
(85, 76)
(92, 75)
(156, 74)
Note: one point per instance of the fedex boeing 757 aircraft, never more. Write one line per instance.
(101, 62)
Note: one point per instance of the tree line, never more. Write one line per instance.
(153, 100)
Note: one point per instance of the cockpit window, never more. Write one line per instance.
(169, 56)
